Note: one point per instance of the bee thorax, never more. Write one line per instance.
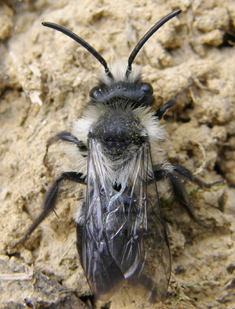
(118, 131)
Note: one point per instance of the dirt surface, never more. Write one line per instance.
(45, 82)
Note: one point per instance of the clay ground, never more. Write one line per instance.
(45, 79)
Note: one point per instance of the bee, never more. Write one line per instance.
(121, 233)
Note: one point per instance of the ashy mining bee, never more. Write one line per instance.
(120, 230)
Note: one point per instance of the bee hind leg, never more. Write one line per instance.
(50, 200)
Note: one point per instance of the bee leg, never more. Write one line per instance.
(50, 200)
(65, 137)
(180, 196)
(185, 173)
(170, 103)
(161, 111)
(171, 175)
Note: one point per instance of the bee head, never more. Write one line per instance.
(120, 83)
(121, 86)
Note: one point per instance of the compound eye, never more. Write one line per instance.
(147, 88)
(96, 93)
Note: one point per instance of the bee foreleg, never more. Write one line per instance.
(161, 111)
(170, 103)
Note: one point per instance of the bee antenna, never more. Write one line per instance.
(145, 38)
(79, 40)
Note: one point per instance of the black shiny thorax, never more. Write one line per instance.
(118, 130)
(140, 94)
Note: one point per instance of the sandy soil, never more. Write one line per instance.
(45, 83)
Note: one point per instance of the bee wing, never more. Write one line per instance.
(103, 274)
(153, 278)
(124, 236)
